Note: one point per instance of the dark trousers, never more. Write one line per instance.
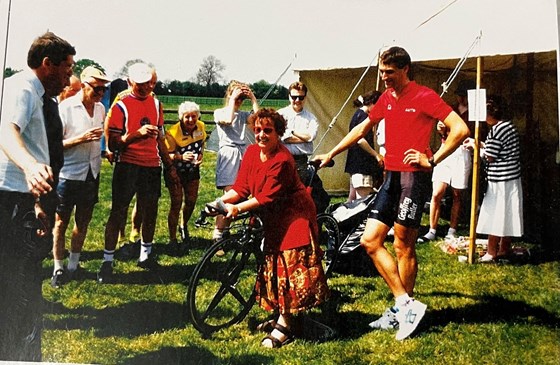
(20, 279)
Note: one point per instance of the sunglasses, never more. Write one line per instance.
(297, 97)
(266, 130)
(97, 89)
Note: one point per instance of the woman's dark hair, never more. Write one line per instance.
(496, 107)
(268, 113)
(368, 98)
(49, 45)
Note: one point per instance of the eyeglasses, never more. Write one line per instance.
(266, 130)
(297, 97)
(97, 89)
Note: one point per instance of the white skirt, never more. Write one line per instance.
(501, 213)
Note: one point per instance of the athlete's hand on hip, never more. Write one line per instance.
(416, 158)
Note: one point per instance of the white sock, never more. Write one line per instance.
(73, 261)
(451, 231)
(145, 250)
(217, 234)
(108, 255)
(402, 300)
(58, 265)
(431, 234)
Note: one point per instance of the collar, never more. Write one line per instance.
(185, 132)
(37, 85)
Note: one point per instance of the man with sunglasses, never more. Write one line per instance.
(25, 176)
(82, 118)
(301, 130)
(410, 112)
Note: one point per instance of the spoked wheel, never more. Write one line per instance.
(329, 240)
(222, 286)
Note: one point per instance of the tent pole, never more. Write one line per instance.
(476, 158)
(378, 71)
(5, 55)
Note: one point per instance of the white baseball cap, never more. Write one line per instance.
(140, 73)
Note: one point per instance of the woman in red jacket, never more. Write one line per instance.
(292, 279)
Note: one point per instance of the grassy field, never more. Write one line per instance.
(477, 314)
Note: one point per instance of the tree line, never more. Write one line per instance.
(208, 81)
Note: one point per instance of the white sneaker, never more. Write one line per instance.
(387, 321)
(408, 316)
(450, 236)
(486, 258)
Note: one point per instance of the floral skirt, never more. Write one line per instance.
(292, 281)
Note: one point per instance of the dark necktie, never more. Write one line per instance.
(53, 125)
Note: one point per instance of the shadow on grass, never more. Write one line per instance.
(192, 355)
(488, 309)
(130, 320)
(165, 274)
(346, 324)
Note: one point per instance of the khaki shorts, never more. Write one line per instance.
(361, 181)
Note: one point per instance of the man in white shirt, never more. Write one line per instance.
(82, 118)
(25, 176)
(301, 130)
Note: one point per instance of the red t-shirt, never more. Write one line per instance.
(409, 122)
(287, 210)
(127, 116)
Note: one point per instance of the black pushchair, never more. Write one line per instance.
(340, 229)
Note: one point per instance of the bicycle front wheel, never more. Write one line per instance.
(222, 286)
(329, 240)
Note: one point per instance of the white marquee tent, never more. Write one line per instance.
(519, 49)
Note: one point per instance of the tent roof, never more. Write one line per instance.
(445, 30)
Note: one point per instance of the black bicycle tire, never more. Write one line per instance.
(203, 323)
(331, 254)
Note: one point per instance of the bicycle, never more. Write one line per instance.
(221, 290)
(222, 286)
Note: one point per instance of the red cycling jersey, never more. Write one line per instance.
(409, 121)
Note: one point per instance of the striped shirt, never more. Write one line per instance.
(503, 146)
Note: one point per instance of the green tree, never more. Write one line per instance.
(260, 88)
(210, 71)
(10, 72)
(83, 63)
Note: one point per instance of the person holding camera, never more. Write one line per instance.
(185, 142)
(231, 128)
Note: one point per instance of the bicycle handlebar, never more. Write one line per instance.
(219, 208)
(317, 163)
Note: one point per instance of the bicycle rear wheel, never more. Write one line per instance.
(329, 240)
(222, 286)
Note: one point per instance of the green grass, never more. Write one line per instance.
(477, 314)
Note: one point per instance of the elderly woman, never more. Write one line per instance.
(185, 143)
(501, 213)
(292, 279)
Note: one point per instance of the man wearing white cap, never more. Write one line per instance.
(135, 135)
(82, 121)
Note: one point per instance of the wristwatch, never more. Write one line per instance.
(432, 162)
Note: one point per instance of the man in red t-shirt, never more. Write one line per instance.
(410, 112)
(135, 136)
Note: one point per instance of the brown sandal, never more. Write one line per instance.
(266, 326)
(277, 343)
